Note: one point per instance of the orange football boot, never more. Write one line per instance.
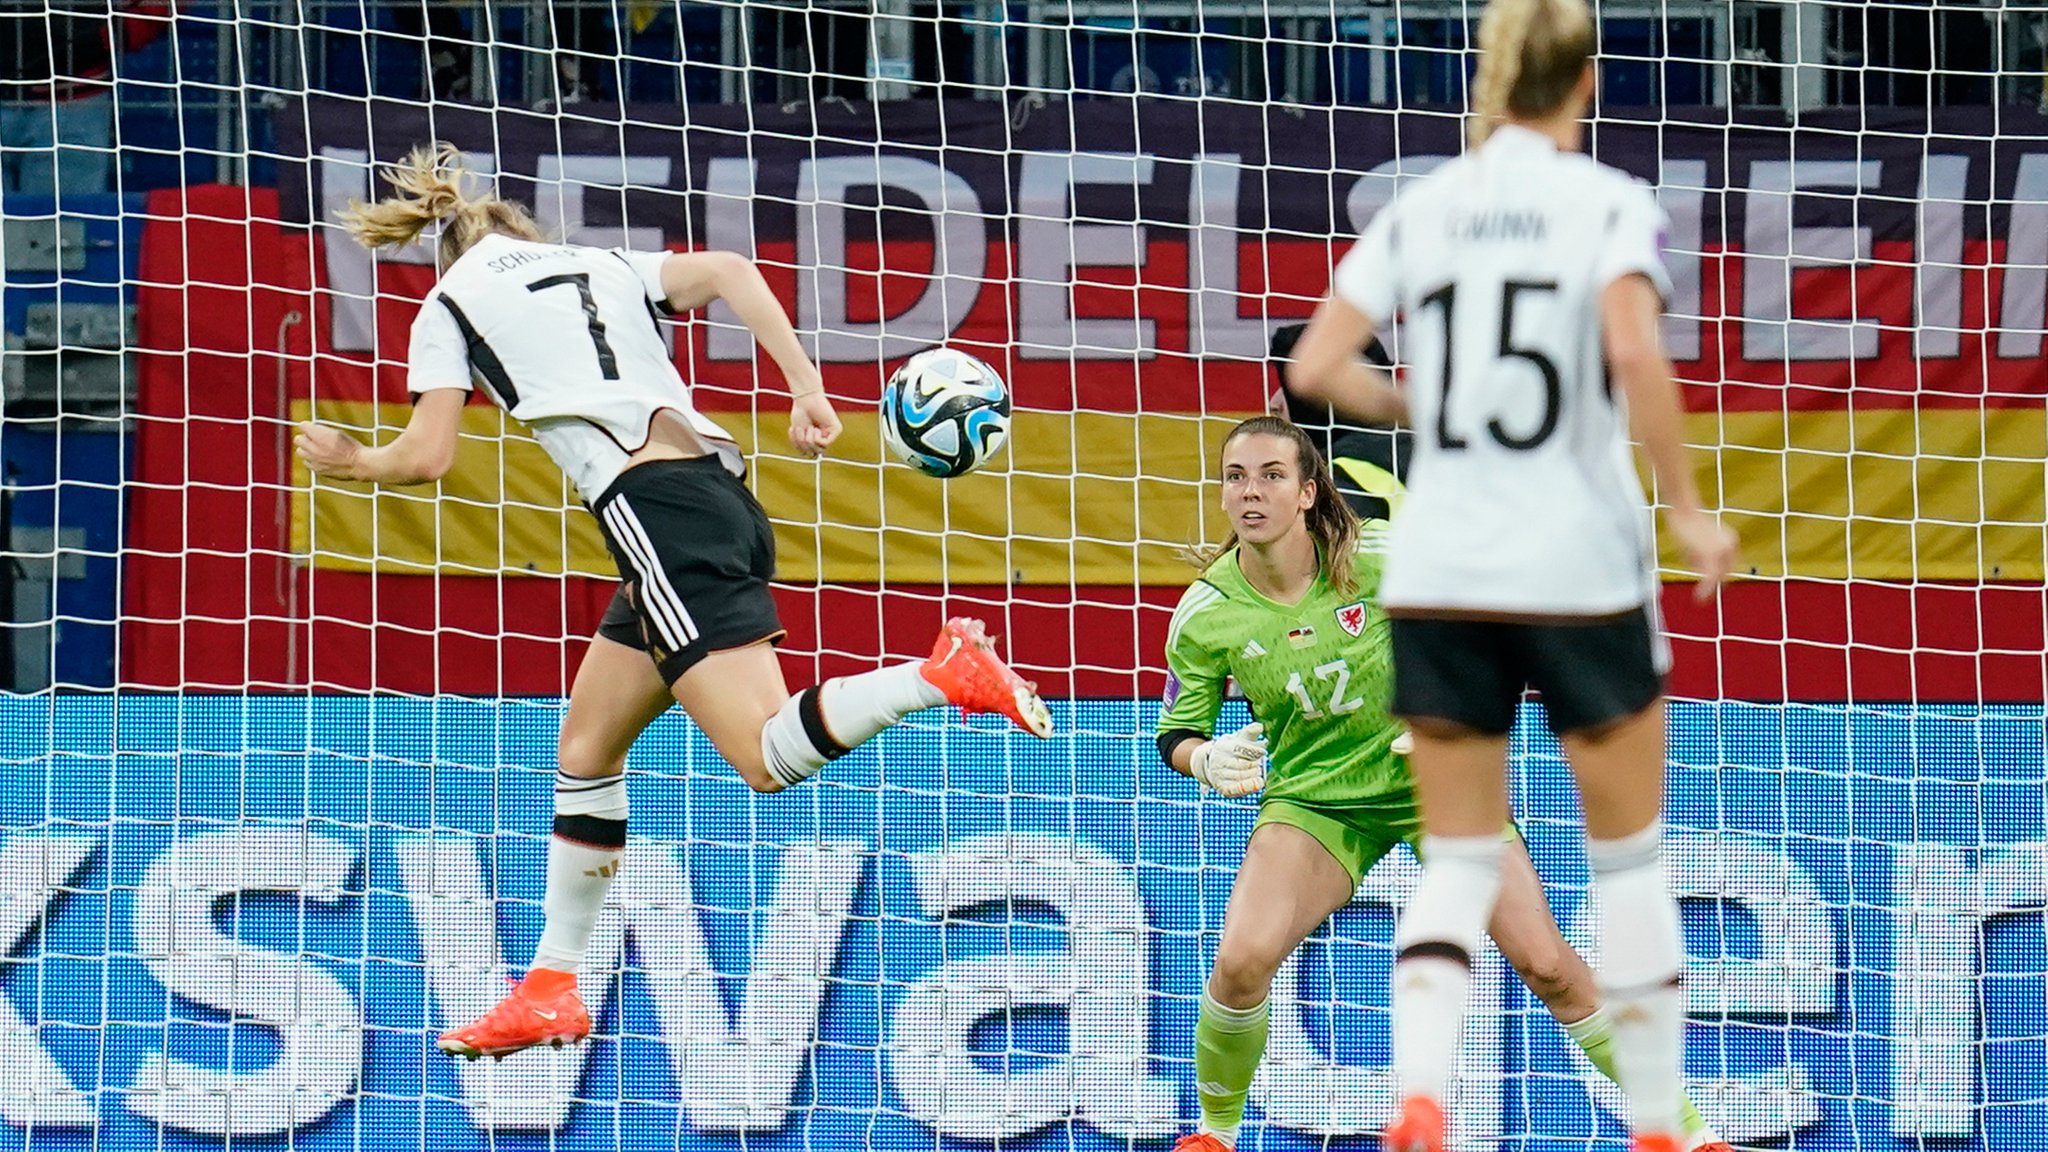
(1420, 1127)
(542, 1009)
(1656, 1143)
(1199, 1142)
(964, 666)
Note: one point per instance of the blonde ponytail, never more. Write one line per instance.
(432, 188)
(1531, 55)
(1502, 28)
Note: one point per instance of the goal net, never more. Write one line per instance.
(279, 753)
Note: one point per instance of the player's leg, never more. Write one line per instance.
(616, 695)
(707, 553)
(1602, 685)
(1299, 867)
(1620, 771)
(1457, 689)
(775, 740)
(1533, 945)
(1528, 936)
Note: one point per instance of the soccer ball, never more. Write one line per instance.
(945, 412)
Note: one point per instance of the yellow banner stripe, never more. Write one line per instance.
(1086, 498)
(1101, 498)
(1941, 494)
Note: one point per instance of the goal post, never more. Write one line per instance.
(277, 764)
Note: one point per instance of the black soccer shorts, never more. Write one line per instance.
(1472, 672)
(695, 555)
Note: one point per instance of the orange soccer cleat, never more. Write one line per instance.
(542, 1009)
(1656, 1143)
(1419, 1128)
(1714, 1146)
(964, 666)
(1199, 1142)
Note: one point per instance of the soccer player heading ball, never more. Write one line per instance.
(1531, 284)
(564, 338)
(1287, 609)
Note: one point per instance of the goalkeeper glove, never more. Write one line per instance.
(1233, 765)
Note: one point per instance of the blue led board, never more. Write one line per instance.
(243, 920)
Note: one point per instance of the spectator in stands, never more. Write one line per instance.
(594, 41)
(56, 91)
(586, 51)
(451, 47)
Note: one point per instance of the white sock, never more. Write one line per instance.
(858, 707)
(583, 858)
(821, 724)
(1440, 932)
(1642, 965)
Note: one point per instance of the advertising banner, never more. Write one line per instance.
(246, 918)
(1850, 298)
(1903, 254)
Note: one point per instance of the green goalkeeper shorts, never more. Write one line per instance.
(1357, 835)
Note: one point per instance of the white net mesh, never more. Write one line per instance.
(278, 757)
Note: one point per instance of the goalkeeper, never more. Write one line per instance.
(1285, 608)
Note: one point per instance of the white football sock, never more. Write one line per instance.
(1440, 932)
(821, 724)
(583, 858)
(1642, 966)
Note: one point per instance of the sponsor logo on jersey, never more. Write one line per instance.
(1303, 636)
(1351, 618)
(1253, 650)
(1172, 690)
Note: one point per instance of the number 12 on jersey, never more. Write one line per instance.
(1337, 674)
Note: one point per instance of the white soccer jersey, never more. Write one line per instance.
(565, 339)
(1523, 498)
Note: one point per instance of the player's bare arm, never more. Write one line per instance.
(692, 280)
(1328, 369)
(1635, 358)
(421, 454)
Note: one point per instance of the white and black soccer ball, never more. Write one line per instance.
(945, 413)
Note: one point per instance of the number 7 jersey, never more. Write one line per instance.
(567, 340)
(1523, 498)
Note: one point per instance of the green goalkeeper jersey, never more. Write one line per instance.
(1318, 675)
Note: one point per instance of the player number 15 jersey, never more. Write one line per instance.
(1523, 497)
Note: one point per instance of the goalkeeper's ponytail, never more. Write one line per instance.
(1330, 518)
(432, 188)
(1531, 55)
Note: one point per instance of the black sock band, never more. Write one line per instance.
(1436, 950)
(813, 717)
(594, 831)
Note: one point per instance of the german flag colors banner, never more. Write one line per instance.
(1858, 324)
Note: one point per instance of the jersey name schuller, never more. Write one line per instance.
(512, 260)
